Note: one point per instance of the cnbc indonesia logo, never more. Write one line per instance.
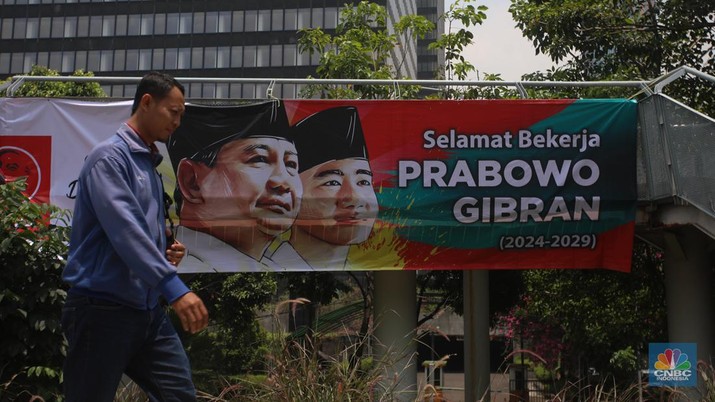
(670, 364)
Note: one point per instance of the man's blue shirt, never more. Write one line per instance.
(118, 242)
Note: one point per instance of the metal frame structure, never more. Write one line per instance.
(645, 87)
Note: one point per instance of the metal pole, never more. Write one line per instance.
(476, 336)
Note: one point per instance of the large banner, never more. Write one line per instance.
(307, 185)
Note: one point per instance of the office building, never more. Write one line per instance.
(206, 38)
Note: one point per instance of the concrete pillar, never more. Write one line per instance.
(476, 336)
(688, 275)
(395, 318)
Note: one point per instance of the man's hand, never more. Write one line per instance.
(192, 312)
(176, 250)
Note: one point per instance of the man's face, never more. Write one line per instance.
(339, 204)
(254, 182)
(164, 116)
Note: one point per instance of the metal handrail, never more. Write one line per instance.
(645, 86)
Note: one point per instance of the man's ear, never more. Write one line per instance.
(145, 101)
(187, 177)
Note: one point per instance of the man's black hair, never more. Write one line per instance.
(156, 84)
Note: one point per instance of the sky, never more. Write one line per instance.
(499, 47)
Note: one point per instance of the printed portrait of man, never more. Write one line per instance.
(339, 205)
(238, 185)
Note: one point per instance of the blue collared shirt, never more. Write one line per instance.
(118, 241)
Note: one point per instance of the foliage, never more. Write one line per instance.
(299, 371)
(235, 342)
(32, 250)
(319, 287)
(360, 49)
(607, 327)
(454, 42)
(628, 39)
(56, 89)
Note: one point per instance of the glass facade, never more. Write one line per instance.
(187, 38)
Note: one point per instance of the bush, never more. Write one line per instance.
(32, 247)
(298, 370)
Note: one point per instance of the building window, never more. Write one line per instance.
(303, 59)
(95, 26)
(134, 25)
(249, 56)
(172, 24)
(30, 60)
(108, 25)
(236, 57)
(55, 61)
(80, 61)
(147, 27)
(70, 27)
(198, 23)
(291, 16)
(20, 28)
(119, 59)
(157, 62)
(16, 63)
(331, 17)
(317, 18)
(238, 21)
(93, 60)
(223, 57)
(82, 27)
(263, 56)
(289, 55)
(120, 27)
(197, 57)
(43, 59)
(67, 62)
(6, 31)
(211, 22)
(276, 55)
(264, 20)
(249, 91)
(210, 57)
(32, 30)
(222, 91)
(251, 20)
(159, 24)
(184, 59)
(224, 21)
(132, 60)
(185, 23)
(208, 91)
(145, 59)
(171, 59)
(58, 27)
(4, 63)
(277, 20)
(303, 18)
(235, 90)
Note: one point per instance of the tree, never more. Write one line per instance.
(56, 89)
(234, 342)
(33, 240)
(626, 39)
(360, 49)
(453, 43)
(600, 319)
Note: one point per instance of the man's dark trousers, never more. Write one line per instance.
(108, 339)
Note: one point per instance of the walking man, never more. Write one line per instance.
(120, 263)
